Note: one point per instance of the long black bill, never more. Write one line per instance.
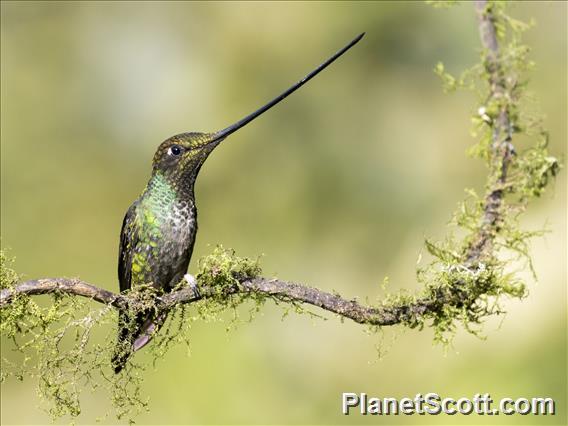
(234, 127)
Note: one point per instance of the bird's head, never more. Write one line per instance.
(180, 157)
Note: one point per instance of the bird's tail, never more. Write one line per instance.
(134, 336)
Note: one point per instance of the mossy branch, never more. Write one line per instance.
(479, 246)
(501, 149)
(274, 288)
(459, 276)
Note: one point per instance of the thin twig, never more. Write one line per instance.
(502, 150)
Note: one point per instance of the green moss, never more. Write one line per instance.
(8, 277)
(474, 288)
(62, 354)
(222, 272)
(223, 268)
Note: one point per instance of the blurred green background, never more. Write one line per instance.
(337, 187)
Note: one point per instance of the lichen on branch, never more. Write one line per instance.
(479, 265)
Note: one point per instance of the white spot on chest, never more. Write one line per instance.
(179, 224)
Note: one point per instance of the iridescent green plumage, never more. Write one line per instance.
(159, 229)
(158, 233)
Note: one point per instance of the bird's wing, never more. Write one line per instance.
(129, 237)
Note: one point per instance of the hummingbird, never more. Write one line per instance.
(159, 229)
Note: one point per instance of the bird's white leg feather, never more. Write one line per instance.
(192, 282)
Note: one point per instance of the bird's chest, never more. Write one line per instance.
(177, 227)
(169, 230)
(167, 233)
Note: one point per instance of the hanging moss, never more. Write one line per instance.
(481, 283)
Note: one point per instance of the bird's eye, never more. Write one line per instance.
(174, 150)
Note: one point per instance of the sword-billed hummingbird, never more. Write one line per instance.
(159, 229)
